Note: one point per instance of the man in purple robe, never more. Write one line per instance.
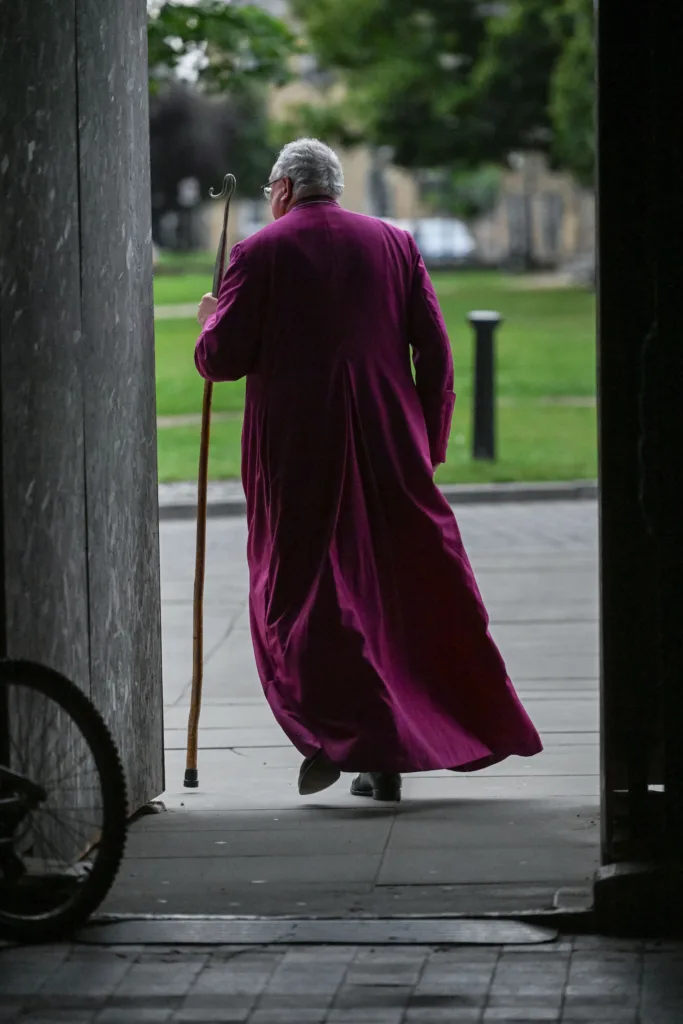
(370, 634)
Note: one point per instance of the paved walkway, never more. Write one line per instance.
(507, 838)
(176, 311)
(585, 981)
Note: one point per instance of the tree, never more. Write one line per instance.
(464, 82)
(211, 64)
(506, 107)
(572, 93)
(535, 82)
(406, 68)
(225, 48)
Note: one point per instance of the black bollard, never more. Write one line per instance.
(485, 323)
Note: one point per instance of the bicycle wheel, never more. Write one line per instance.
(68, 841)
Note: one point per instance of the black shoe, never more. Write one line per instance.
(378, 785)
(316, 774)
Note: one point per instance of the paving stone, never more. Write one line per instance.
(21, 981)
(560, 950)
(470, 992)
(133, 1015)
(606, 944)
(372, 995)
(529, 979)
(96, 978)
(315, 985)
(22, 974)
(50, 954)
(444, 1015)
(312, 1001)
(362, 1015)
(214, 1002)
(219, 1015)
(377, 985)
(463, 955)
(288, 1016)
(399, 977)
(171, 979)
(525, 996)
(521, 1014)
(448, 963)
(663, 1015)
(210, 988)
(471, 975)
(599, 1015)
(72, 1016)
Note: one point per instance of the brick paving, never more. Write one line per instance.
(573, 981)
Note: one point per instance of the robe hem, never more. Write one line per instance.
(467, 767)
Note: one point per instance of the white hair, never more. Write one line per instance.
(313, 168)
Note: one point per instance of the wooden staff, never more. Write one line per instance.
(191, 772)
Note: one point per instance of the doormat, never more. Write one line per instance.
(234, 931)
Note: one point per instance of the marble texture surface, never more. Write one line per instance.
(45, 572)
(80, 560)
(119, 385)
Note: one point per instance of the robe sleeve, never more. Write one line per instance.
(432, 358)
(228, 346)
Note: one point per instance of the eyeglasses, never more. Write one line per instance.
(268, 189)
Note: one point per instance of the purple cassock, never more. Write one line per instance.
(370, 634)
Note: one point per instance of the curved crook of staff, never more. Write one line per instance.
(191, 770)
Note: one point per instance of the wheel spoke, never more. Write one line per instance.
(75, 836)
(57, 741)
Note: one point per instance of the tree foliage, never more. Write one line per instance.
(459, 82)
(226, 48)
(406, 68)
(572, 93)
(211, 64)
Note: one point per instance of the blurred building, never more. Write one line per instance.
(543, 219)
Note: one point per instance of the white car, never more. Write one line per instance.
(439, 239)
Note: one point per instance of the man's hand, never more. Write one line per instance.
(206, 307)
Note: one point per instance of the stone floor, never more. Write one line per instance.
(584, 981)
(507, 838)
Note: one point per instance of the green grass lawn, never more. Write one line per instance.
(535, 443)
(179, 386)
(545, 350)
(176, 289)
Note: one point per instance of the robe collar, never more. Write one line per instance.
(313, 200)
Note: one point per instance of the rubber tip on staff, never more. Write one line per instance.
(191, 778)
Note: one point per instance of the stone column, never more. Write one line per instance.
(78, 499)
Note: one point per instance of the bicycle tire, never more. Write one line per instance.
(65, 921)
